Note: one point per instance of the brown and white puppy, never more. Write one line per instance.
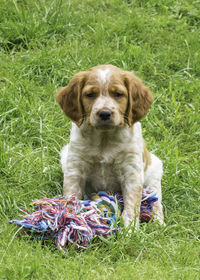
(106, 149)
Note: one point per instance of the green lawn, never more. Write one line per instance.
(43, 44)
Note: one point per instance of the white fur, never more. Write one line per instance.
(96, 160)
(104, 76)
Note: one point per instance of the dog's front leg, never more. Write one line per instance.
(73, 172)
(132, 194)
(72, 185)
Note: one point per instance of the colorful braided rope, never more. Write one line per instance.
(69, 220)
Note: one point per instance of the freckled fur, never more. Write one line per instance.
(114, 157)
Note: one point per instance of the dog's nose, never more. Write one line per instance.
(104, 115)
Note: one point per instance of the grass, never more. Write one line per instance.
(43, 43)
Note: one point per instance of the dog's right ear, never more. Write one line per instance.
(69, 98)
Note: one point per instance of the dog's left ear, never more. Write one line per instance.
(69, 98)
(139, 98)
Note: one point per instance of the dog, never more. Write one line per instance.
(106, 149)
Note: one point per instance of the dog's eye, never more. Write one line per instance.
(118, 94)
(91, 95)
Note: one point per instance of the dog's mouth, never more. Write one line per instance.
(105, 125)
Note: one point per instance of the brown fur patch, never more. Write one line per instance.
(140, 98)
(146, 156)
(69, 98)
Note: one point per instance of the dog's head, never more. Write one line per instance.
(105, 96)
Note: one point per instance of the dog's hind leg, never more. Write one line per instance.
(152, 181)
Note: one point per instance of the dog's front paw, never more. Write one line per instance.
(130, 220)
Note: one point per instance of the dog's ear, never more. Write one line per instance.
(139, 98)
(69, 98)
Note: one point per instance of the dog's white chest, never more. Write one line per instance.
(103, 176)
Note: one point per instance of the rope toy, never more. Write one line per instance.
(69, 220)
